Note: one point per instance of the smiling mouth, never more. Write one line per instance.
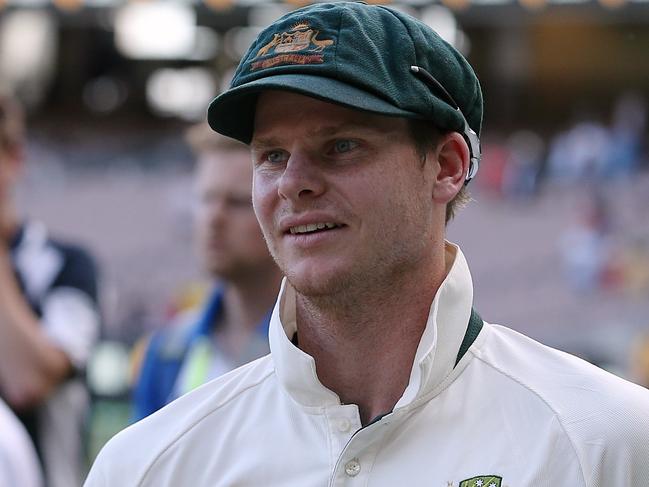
(313, 228)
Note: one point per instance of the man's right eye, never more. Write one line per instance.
(275, 156)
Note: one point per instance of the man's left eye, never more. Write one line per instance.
(344, 145)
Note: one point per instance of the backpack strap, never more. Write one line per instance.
(161, 364)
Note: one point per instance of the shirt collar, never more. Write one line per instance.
(434, 360)
(208, 321)
(29, 234)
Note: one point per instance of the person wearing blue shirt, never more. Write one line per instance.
(231, 328)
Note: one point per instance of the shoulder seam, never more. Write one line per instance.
(198, 420)
(542, 399)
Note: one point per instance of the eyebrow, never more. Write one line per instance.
(264, 143)
(326, 131)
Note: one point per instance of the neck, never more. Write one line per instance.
(364, 344)
(247, 300)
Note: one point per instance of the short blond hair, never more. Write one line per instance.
(201, 139)
(426, 136)
(12, 123)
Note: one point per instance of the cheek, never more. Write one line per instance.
(246, 237)
(203, 212)
(248, 225)
(263, 201)
(199, 221)
(374, 195)
(397, 204)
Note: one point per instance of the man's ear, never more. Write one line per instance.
(453, 159)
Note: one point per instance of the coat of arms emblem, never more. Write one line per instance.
(300, 37)
(482, 481)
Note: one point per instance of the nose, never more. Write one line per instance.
(302, 178)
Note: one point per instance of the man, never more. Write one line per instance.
(380, 373)
(49, 322)
(232, 329)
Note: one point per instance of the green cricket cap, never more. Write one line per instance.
(355, 55)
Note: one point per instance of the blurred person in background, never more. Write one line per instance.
(18, 461)
(627, 143)
(585, 246)
(522, 172)
(232, 327)
(580, 152)
(49, 321)
(634, 267)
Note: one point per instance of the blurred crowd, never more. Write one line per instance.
(606, 245)
(84, 386)
(589, 151)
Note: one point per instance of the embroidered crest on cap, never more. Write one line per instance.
(298, 45)
(482, 481)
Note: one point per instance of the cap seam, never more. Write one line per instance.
(340, 22)
(377, 93)
(474, 104)
(431, 109)
(412, 43)
(416, 62)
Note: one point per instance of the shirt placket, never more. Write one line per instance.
(343, 422)
(354, 463)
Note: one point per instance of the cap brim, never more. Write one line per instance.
(233, 112)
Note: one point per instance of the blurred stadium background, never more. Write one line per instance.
(558, 237)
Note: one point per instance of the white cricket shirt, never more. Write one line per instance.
(512, 413)
(18, 461)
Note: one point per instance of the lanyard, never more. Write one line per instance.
(198, 365)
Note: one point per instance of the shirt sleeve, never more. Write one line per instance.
(70, 310)
(619, 455)
(18, 462)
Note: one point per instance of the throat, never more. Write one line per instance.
(367, 364)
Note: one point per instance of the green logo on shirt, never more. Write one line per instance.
(482, 481)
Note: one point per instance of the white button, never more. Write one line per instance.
(344, 425)
(352, 468)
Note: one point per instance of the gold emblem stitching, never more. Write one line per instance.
(287, 45)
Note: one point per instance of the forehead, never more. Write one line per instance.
(281, 113)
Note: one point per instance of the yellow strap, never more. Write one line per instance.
(199, 363)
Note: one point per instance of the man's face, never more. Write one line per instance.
(342, 196)
(229, 239)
